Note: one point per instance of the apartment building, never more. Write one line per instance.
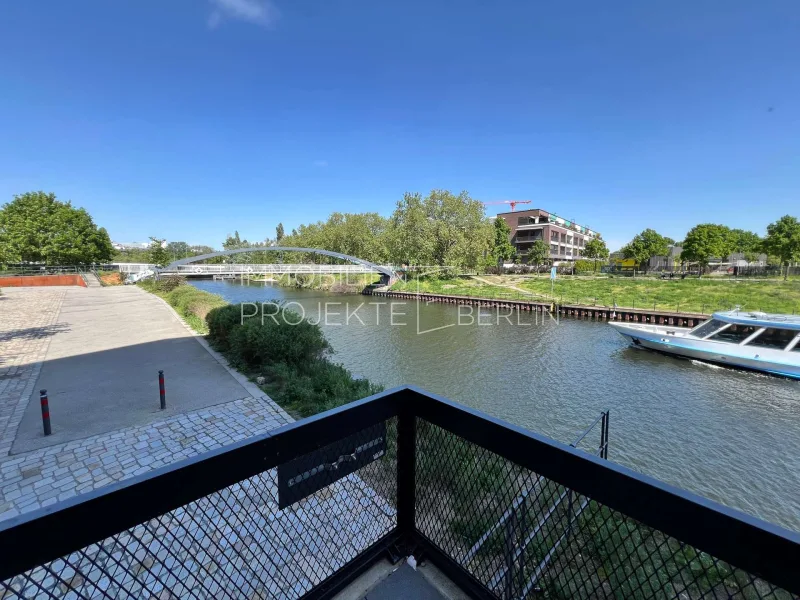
(567, 239)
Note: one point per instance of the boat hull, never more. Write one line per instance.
(673, 341)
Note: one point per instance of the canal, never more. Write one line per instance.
(728, 435)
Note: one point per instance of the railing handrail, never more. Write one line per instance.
(49, 533)
(764, 549)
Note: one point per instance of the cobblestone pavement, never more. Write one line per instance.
(43, 477)
(28, 320)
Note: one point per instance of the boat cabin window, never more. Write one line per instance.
(735, 334)
(774, 338)
(708, 328)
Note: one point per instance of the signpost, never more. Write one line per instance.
(311, 472)
(552, 280)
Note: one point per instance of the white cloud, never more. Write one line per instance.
(320, 163)
(258, 12)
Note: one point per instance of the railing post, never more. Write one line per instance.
(510, 527)
(406, 473)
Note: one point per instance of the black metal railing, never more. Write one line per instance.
(302, 510)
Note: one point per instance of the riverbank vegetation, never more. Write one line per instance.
(290, 353)
(679, 295)
(334, 282)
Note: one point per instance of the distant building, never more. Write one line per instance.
(618, 261)
(659, 263)
(134, 245)
(130, 245)
(567, 240)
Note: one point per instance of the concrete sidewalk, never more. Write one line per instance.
(101, 368)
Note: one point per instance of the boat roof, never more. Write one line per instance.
(759, 319)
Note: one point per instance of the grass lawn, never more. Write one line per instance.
(686, 295)
(462, 286)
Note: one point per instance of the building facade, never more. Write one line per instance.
(567, 240)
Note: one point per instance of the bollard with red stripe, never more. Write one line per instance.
(45, 412)
(161, 390)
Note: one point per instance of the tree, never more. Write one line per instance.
(745, 242)
(595, 248)
(157, 253)
(645, 246)
(440, 229)
(178, 250)
(707, 241)
(503, 249)
(233, 242)
(538, 253)
(279, 233)
(362, 235)
(783, 240)
(36, 227)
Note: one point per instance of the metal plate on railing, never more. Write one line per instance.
(310, 473)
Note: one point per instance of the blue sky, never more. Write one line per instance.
(188, 119)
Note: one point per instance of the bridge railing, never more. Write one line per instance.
(277, 269)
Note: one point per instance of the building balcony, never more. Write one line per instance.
(304, 510)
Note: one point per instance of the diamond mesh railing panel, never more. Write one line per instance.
(235, 543)
(524, 536)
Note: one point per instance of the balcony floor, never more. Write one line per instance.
(385, 581)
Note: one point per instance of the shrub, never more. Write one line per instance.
(163, 285)
(285, 338)
(167, 284)
(319, 387)
(188, 300)
(221, 321)
(584, 266)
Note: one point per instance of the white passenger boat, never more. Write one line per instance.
(747, 340)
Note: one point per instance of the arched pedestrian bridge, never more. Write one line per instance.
(190, 267)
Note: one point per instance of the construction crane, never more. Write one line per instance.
(513, 203)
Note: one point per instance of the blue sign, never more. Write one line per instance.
(553, 273)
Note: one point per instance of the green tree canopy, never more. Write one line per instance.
(538, 253)
(233, 242)
(595, 249)
(279, 233)
(36, 227)
(178, 250)
(745, 242)
(362, 235)
(783, 240)
(707, 241)
(157, 253)
(440, 229)
(646, 245)
(503, 250)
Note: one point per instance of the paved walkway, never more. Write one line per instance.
(98, 352)
(27, 323)
(101, 367)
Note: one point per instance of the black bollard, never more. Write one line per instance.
(161, 391)
(45, 412)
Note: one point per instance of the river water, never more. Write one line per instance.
(728, 435)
